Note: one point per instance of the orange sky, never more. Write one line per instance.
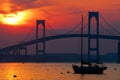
(17, 17)
(61, 14)
(57, 11)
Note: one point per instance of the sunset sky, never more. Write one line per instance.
(17, 17)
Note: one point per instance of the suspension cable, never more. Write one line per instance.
(77, 26)
(109, 24)
(28, 34)
(51, 28)
(106, 30)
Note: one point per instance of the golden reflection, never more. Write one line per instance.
(11, 74)
(51, 71)
(11, 71)
(19, 71)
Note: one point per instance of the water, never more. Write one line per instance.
(52, 71)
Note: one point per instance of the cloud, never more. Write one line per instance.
(11, 6)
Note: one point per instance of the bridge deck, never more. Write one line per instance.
(16, 46)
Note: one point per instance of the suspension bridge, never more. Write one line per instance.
(17, 48)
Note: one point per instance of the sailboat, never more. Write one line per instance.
(87, 67)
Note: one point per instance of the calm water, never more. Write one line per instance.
(52, 71)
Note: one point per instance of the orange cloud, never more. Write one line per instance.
(11, 6)
(56, 9)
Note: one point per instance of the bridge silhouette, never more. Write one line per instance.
(17, 46)
(22, 46)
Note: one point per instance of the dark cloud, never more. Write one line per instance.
(10, 6)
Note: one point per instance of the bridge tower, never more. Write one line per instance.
(96, 40)
(118, 52)
(42, 22)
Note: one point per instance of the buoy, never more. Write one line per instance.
(68, 72)
(115, 68)
(61, 73)
(14, 76)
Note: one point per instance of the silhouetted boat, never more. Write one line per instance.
(89, 68)
(86, 67)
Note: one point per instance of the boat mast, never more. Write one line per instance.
(81, 40)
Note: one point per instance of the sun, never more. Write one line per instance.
(13, 19)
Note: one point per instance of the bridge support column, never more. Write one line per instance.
(7, 52)
(22, 48)
(1, 53)
(118, 59)
(96, 48)
(15, 52)
(37, 42)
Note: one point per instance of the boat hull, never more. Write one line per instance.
(88, 69)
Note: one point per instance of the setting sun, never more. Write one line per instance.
(13, 19)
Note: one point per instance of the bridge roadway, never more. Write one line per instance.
(16, 46)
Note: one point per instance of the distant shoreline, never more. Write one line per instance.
(51, 58)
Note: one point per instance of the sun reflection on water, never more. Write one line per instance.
(50, 71)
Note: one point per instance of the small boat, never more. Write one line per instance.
(87, 67)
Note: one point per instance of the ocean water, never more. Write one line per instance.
(53, 71)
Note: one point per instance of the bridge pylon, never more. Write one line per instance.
(92, 49)
(42, 22)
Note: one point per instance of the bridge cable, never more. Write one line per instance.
(106, 30)
(77, 26)
(73, 29)
(109, 24)
(51, 28)
(28, 34)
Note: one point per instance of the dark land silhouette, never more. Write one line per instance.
(56, 57)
